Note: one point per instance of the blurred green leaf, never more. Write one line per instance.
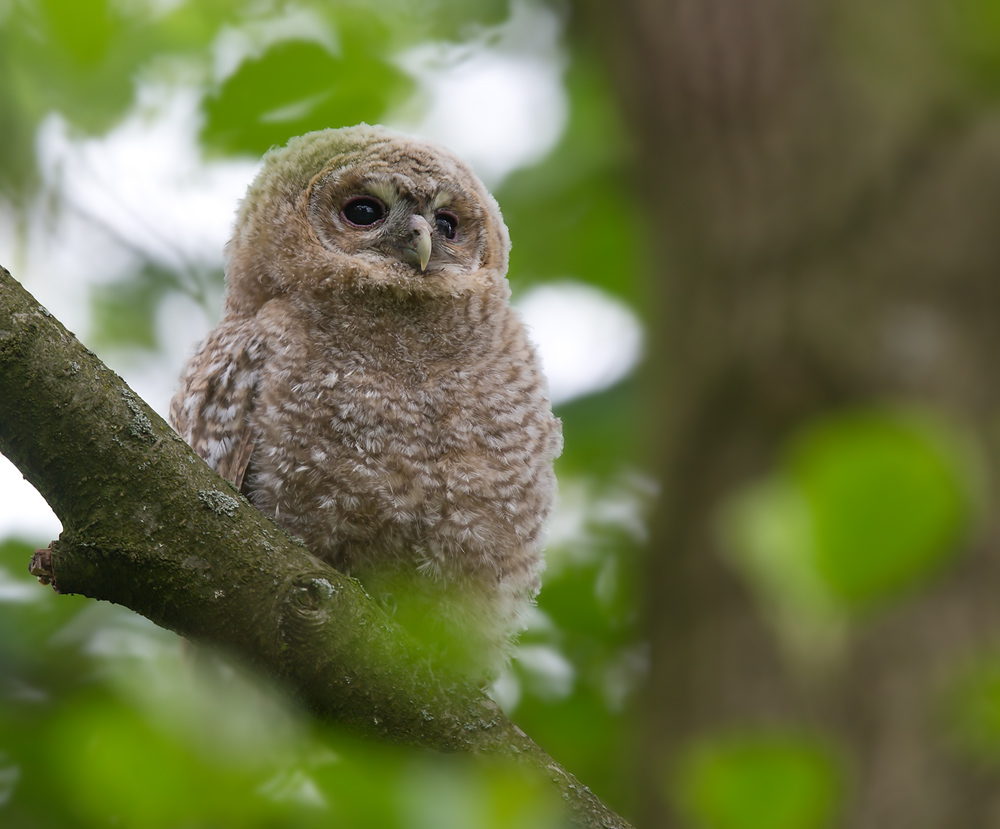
(123, 313)
(445, 795)
(112, 761)
(973, 711)
(974, 37)
(82, 59)
(83, 29)
(601, 432)
(30, 615)
(295, 87)
(588, 622)
(403, 23)
(767, 529)
(78, 59)
(864, 506)
(759, 781)
(98, 703)
(889, 498)
(573, 214)
(600, 741)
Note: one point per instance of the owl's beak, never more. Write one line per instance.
(418, 246)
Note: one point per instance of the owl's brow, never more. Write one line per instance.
(385, 190)
(443, 198)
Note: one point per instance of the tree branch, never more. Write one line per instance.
(149, 526)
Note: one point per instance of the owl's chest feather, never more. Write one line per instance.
(426, 454)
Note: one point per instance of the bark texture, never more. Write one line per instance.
(149, 526)
(825, 222)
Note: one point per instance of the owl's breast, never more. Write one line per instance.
(449, 467)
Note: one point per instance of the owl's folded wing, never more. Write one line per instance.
(213, 407)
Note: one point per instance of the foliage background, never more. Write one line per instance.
(101, 719)
(759, 695)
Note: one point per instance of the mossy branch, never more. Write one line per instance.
(149, 526)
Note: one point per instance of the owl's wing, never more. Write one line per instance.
(234, 466)
(213, 407)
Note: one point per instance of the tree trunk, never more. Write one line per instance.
(825, 230)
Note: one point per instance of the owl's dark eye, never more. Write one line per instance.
(363, 211)
(447, 223)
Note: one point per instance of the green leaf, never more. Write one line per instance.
(295, 87)
(759, 781)
(973, 34)
(973, 711)
(574, 214)
(110, 760)
(889, 498)
(123, 313)
(863, 507)
(82, 60)
(83, 29)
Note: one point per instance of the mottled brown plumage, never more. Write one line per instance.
(371, 388)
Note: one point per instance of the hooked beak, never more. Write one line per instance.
(418, 246)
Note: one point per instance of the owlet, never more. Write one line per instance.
(371, 389)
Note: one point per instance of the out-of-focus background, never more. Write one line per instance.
(758, 244)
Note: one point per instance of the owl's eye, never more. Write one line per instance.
(363, 211)
(447, 223)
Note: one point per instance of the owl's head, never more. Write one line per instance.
(364, 208)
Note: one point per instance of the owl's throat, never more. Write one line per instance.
(390, 327)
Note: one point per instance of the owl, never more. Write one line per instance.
(371, 389)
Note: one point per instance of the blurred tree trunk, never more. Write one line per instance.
(825, 205)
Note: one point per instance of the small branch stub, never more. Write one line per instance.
(41, 566)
